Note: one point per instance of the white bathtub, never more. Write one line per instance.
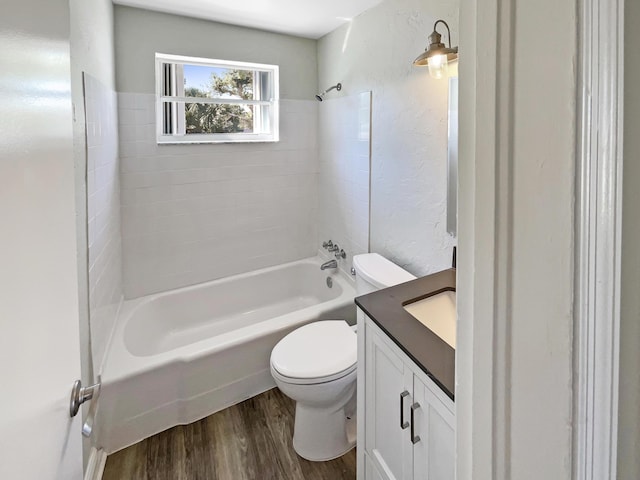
(178, 356)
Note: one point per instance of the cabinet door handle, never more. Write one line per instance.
(403, 424)
(414, 438)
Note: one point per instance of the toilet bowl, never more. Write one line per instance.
(315, 365)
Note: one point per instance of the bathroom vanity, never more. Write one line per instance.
(406, 374)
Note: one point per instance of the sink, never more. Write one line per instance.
(438, 314)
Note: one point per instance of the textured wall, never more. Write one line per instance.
(540, 294)
(409, 125)
(192, 213)
(103, 215)
(516, 228)
(139, 34)
(344, 125)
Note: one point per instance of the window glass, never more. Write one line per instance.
(206, 100)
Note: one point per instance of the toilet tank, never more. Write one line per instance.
(374, 272)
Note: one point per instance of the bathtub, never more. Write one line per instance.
(181, 355)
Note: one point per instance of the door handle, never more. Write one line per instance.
(414, 438)
(80, 395)
(403, 424)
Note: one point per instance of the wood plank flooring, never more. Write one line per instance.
(249, 441)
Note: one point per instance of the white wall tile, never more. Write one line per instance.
(103, 214)
(193, 213)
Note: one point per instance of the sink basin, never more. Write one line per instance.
(438, 314)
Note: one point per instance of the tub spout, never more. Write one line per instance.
(329, 264)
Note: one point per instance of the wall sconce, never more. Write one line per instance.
(436, 56)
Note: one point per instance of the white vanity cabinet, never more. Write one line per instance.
(406, 423)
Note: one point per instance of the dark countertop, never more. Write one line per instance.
(425, 348)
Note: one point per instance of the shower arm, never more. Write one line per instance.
(320, 96)
(338, 87)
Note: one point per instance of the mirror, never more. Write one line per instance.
(452, 161)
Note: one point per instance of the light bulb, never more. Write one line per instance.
(438, 66)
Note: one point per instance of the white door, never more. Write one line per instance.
(388, 393)
(39, 336)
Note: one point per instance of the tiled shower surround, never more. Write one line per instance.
(193, 213)
(103, 214)
(344, 153)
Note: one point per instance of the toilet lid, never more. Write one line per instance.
(316, 350)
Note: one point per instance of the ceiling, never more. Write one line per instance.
(304, 18)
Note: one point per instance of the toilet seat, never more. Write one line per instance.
(312, 381)
(316, 353)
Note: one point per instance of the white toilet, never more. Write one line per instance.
(315, 365)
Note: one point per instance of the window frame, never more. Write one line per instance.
(239, 137)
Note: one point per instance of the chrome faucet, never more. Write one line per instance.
(329, 264)
(331, 247)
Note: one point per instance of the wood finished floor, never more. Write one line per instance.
(249, 441)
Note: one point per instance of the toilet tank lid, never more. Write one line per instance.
(379, 271)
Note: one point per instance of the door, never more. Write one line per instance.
(39, 336)
(388, 392)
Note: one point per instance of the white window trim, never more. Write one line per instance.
(217, 137)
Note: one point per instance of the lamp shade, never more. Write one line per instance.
(437, 56)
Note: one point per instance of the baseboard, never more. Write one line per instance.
(95, 466)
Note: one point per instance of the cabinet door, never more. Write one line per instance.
(434, 424)
(388, 393)
(371, 471)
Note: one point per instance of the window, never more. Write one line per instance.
(201, 100)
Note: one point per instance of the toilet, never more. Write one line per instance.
(315, 365)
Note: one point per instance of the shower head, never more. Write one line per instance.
(321, 96)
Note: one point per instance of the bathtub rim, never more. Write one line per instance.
(120, 364)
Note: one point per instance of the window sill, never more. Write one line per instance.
(206, 141)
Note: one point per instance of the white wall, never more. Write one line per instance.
(92, 47)
(409, 125)
(192, 213)
(629, 410)
(344, 127)
(540, 363)
(139, 34)
(515, 266)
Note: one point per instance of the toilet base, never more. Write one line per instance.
(321, 435)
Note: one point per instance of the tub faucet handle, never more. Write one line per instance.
(341, 254)
(334, 248)
(327, 245)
